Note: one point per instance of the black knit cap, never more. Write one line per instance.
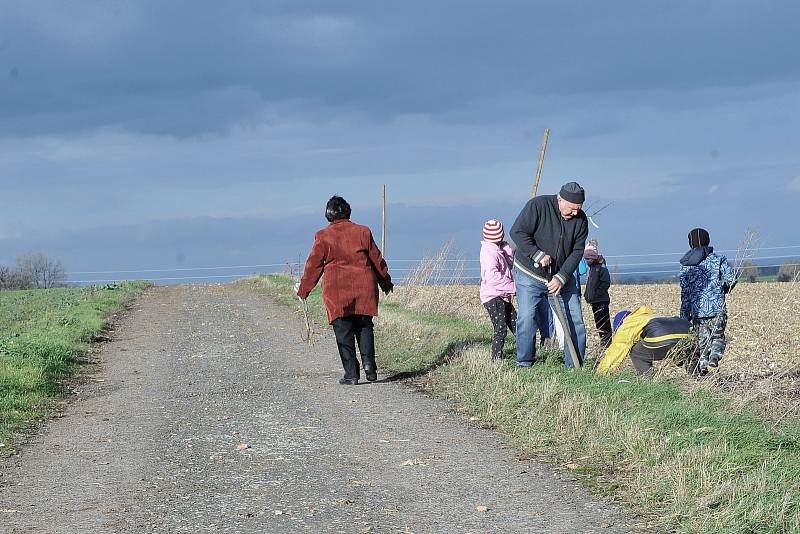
(572, 192)
(699, 238)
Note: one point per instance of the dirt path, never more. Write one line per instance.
(150, 444)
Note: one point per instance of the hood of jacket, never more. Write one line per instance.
(696, 255)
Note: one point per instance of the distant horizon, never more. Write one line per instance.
(632, 267)
(636, 264)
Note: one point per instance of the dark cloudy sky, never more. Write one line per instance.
(151, 134)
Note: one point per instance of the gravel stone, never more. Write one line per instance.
(207, 413)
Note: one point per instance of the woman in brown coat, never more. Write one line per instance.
(354, 268)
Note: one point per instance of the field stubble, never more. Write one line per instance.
(762, 360)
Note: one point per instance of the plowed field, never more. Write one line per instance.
(763, 353)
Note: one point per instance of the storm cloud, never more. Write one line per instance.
(121, 115)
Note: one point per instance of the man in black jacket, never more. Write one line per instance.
(550, 234)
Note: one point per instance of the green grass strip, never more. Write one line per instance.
(42, 332)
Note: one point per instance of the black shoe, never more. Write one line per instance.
(372, 375)
(348, 381)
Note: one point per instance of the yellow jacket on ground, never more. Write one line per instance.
(626, 336)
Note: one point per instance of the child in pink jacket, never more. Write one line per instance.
(497, 284)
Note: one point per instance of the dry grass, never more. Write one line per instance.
(684, 470)
(444, 269)
(763, 326)
(762, 360)
(686, 460)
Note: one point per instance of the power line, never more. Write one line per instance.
(448, 278)
(644, 255)
(642, 264)
(462, 261)
(618, 256)
(176, 269)
(684, 252)
(445, 278)
(107, 280)
(666, 263)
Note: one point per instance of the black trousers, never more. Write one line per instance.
(503, 315)
(603, 322)
(643, 355)
(348, 330)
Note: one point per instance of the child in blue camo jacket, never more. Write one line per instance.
(706, 277)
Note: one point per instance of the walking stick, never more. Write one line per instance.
(559, 309)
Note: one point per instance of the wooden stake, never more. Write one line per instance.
(541, 161)
(383, 222)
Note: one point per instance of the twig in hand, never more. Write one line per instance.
(745, 250)
(309, 335)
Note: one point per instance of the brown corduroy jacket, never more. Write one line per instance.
(353, 267)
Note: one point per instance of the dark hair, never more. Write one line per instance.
(698, 237)
(337, 208)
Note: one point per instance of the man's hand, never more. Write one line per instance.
(544, 262)
(554, 285)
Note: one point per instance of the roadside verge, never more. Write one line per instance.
(682, 461)
(42, 334)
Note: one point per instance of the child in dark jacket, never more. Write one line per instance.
(598, 280)
(706, 277)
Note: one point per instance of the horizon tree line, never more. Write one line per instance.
(33, 270)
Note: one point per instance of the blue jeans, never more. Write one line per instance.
(530, 293)
(543, 317)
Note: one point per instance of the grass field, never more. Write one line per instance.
(762, 360)
(688, 460)
(42, 332)
(763, 326)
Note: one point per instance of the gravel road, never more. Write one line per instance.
(207, 414)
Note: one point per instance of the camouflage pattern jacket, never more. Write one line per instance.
(705, 279)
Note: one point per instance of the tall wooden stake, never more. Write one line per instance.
(541, 161)
(383, 222)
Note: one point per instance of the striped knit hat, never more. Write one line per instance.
(590, 252)
(493, 231)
